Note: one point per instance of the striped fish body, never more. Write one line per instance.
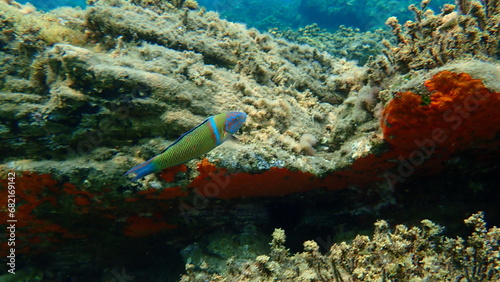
(198, 141)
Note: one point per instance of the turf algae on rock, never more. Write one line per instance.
(138, 69)
(409, 253)
(87, 94)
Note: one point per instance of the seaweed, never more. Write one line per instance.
(401, 253)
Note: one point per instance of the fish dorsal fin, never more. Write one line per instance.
(186, 133)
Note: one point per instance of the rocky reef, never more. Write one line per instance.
(73, 99)
(410, 254)
(346, 42)
(466, 30)
(401, 253)
(88, 94)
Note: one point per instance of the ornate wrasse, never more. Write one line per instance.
(209, 134)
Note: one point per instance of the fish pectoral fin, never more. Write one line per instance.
(232, 138)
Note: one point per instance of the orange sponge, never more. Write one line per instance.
(462, 114)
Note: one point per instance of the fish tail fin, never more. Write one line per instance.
(142, 169)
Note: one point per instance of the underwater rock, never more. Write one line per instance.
(160, 75)
(401, 253)
(346, 42)
(432, 40)
(451, 115)
(216, 249)
(81, 109)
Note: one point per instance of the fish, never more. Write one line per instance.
(198, 141)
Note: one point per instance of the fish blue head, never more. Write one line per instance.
(234, 120)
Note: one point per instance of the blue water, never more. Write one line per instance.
(266, 14)
(52, 4)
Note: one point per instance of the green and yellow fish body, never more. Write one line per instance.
(200, 140)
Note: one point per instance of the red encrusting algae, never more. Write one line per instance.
(462, 114)
(217, 182)
(141, 226)
(169, 174)
(33, 234)
(39, 197)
